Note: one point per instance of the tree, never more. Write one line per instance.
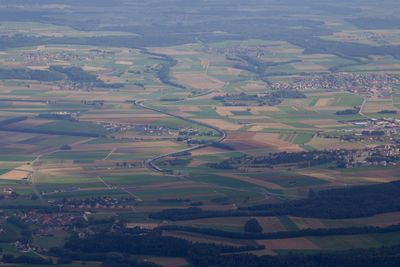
(252, 226)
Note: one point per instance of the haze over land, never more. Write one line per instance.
(199, 133)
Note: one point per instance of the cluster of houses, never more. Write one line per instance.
(145, 129)
(103, 202)
(39, 57)
(155, 130)
(44, 57)
(66, 85)
(368, 84)
(116, 127)
(383, 156)
(48, 221)
(388, 127)
(258, 51)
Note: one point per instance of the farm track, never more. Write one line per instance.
(35, 169)
(150, 163)
(362, 107)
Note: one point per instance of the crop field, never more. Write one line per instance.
(103, 122)
(99, 152)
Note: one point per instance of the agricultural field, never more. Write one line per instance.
(194, 128)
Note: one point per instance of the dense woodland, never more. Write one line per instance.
(118, 249)
(159, 33)
(384, 257)
(254, 232)
(352, 202)
(269, 99)
(56, 73)
(300, 159)
(163, 70)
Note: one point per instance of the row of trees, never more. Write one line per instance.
(56, 73)
(254, 231)
(302, 159)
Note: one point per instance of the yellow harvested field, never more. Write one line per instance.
(224, 125)
(326, 143)
(253, 181)
(198, 80)
(327, 175)
(273, 125)
(256, 140)
(323, 102)
(38, 67)
(58, 170)
(124, 62)
(270, 139)
(376, 106)
(256, 128)
(327, 123)
(92, 68)
(16, 174)
(227, 111)
(258, 110)
(189, 108)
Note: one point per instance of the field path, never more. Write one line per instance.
(35, 168)
(123, 189)
(104, 182)
(131, 194)
(109, 154)
(362, 107)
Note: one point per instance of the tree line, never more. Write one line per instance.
(352, 202)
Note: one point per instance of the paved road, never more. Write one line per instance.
(150, 163)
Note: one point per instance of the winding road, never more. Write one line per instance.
(150, 163)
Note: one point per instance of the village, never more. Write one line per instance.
(43, 57)
(382, 130)
(366, 84)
